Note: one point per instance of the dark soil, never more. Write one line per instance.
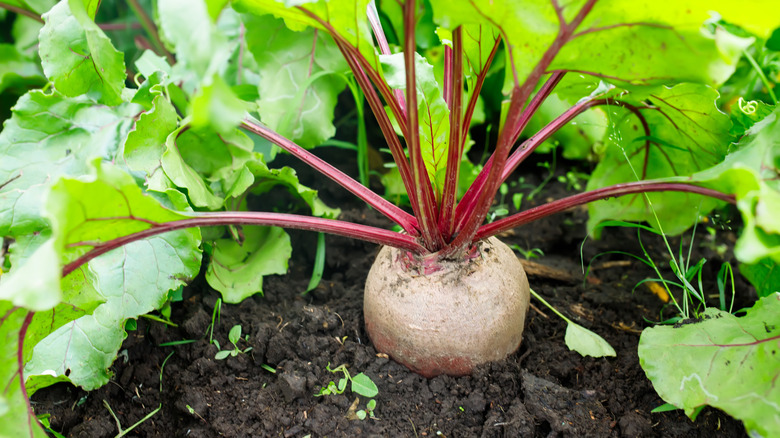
(542, 390)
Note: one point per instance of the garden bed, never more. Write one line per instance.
(543, 389)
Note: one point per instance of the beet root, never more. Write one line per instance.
(465, 314)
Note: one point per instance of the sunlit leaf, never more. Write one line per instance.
(688, 133)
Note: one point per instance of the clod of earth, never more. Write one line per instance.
(465, 314)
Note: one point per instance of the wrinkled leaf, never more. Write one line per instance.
(611, 34)
(750, 173)
(723, 361)
(49, 136)
(346, 17)
(301, 76)
(202, 53)
(236, 270)
(83, 213)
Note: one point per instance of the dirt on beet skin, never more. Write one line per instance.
(542, 390)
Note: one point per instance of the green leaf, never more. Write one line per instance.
(301, 76)
(723, 361)
(221, 355)
(764, 275)
(581, 138)
(34, 286)
(217, 106)
(363, 385)
(236, 269)
(687, 134)
(433, 114)
(15, 418)
(85, 212)
(649, 42)
(346, 17)
(49, 136)
(202, 53)
(146, 142)
(586, 342)
(666, 407)
(342, 385)
(78, 57)
(266, 179)
(750, 173)
(235, 334)
(746, 114)
(36, 6)
(208, 164)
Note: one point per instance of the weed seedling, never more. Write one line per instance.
(361, 384)
(234, 336)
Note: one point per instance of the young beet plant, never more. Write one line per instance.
(444, 294)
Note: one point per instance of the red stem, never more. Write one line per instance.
(367, 77)
(21, 11)
(475, 92)
(384, 48)
(560, 205)
(402, 218)
(425, 207)
(375, 103)
(20, 364)
(370, 71)
(454, 89)
(476, 216)
(469, 198)
(332, 226)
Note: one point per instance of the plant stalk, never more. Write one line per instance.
(21, 11)
(520, 94)
(402, 218)
(453, 88)
(564, 204)
(425, 207)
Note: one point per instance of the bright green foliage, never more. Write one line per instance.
(237, 269)
(346, 17)
(49, 136)
(361, 383)
(432, 113)
(688, 134)
(301, 76)
(750, 172)
(84, 213)
(609, 36)
(723, 361)
(580, 139)
(78, 57)
(202, 52)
